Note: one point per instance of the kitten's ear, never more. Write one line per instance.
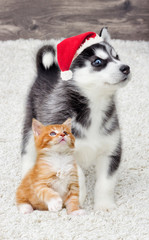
(36, 127)
(68, 123)
(105, 34)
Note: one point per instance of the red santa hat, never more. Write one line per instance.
(70, 48)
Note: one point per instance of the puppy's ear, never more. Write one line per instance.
(105, 34)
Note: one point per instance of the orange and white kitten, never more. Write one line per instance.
(53, 182)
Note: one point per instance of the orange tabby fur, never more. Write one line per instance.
(47, 180)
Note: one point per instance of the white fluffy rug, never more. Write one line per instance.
(130, 220)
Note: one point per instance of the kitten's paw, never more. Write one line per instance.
(105, 206)
(25, 208)
(55, 204)
(78, 212)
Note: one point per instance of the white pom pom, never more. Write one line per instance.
(66, 75)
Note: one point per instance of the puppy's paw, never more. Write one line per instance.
(105, 206)
(78, 212)
(25, 208)
(55, 204)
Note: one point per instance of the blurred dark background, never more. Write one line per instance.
(44, 19)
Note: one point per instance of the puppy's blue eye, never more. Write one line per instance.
(52, 133)
(97, 63)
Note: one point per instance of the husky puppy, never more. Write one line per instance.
(89, 99)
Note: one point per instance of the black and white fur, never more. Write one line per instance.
(89, 99)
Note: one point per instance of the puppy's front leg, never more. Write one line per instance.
(105, 185)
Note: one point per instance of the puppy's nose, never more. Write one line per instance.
(125, 69)
(62, 134)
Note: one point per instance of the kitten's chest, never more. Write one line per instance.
(62, 182)
(62, 166)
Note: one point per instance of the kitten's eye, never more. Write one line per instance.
(97, 62)
(52, 133)
(65, 133)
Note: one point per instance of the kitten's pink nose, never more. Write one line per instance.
(62, 134)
